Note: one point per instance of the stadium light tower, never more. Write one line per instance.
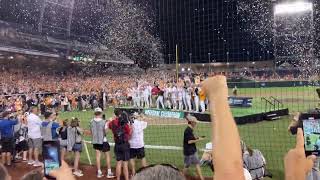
(293, 31)
(293, 8)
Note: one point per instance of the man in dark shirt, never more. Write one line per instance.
(189, 146)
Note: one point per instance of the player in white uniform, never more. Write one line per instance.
(188, 98)
(166, 96)
(160, 100)
(135, 97)
(196, 98)
(149, 87)
(174, 97)
(184, 98)
(146, 97)
(180, 97)
(141, 94)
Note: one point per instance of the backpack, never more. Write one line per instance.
(46, 132)
(63, 132)
(119, 134)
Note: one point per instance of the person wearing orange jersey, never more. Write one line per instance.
(202, 97)
(18, 104)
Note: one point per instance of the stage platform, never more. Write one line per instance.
(205, 117)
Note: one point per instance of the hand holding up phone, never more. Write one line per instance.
(297, 165)
(63, 173)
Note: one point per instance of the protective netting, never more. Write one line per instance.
(164, 136)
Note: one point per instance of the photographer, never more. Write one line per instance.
(75, 144)
(121, 133)
(100, 142)
(137, 142)
(49, 127)
(7, 137)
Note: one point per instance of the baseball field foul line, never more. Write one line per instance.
(177, 148)
(151, 146)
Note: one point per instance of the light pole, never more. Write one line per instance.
(228, 61)
(248, 58)
(213, 61)
(190, 61)
(209, 60)
(169, 58)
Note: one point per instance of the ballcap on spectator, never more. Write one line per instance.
(191, 118)
(98, 110)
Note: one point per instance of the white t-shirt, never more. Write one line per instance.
(247, 175)
(137, 138)
(34, 123)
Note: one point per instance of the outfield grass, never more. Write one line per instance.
(272, 138)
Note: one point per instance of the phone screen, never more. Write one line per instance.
(51, 156)
(311, 130)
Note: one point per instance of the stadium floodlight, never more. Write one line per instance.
(292, 8)
(182, 69)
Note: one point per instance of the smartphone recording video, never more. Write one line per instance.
(311, 130)
(51, 157)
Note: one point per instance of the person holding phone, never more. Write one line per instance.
(75, 144)
(35, 138)
(7, 137)
(137, 142)
(297, 123)
(100, 142)
(189, 146)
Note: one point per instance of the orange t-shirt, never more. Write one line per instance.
(202, 95)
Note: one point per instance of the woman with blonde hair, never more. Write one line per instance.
(75, 144)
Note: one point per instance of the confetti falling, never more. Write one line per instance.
(293, 36)
(128, 30)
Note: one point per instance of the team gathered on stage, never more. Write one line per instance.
(182, 96)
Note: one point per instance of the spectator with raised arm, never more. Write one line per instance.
(35, 138)
(227, 155)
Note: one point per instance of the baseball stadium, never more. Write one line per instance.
(111, 89)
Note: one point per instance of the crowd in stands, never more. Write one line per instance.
(93, 87)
